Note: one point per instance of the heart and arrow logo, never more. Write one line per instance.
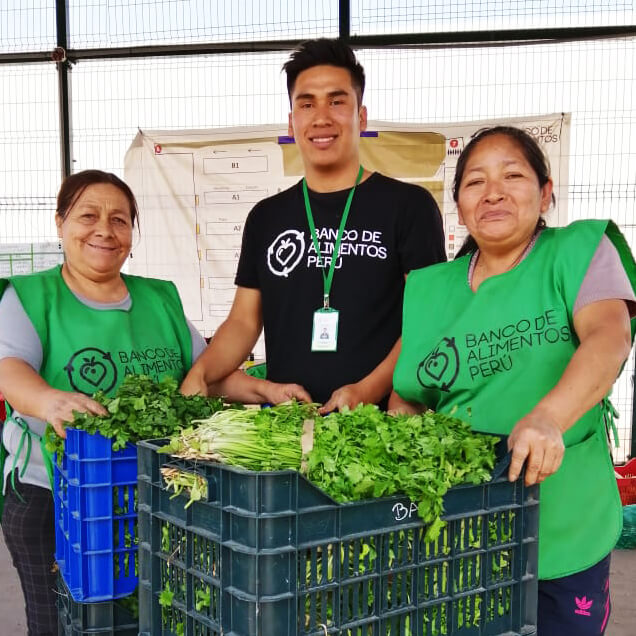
(285, 252)
(91, 369)
(440, 367)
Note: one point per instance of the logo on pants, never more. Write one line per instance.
(582, 606)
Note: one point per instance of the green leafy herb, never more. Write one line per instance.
(255, 439)
(202, 598)
(166, 596)
(365, 453)
(357, 454)
(182, 481)
(140, 409)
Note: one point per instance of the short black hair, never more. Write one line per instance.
(528, 145)
(324, 51)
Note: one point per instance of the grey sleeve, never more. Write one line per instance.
(198, 342)
(605, 279)
(18, 338)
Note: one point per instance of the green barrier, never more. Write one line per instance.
(257, 371)
(627, 540)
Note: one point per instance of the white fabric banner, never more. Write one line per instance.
(196, 187)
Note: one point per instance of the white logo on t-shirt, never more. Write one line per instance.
(285, 252)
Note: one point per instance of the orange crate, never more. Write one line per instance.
(627, 482)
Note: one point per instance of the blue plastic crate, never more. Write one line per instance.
(269, 554)
(95, 492)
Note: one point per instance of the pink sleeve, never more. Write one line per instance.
(605, 279)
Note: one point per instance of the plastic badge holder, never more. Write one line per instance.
(269, 554)
(95, 494)
(84, 619)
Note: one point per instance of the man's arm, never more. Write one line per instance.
(231, 344)
(240, 387)
(420, 243)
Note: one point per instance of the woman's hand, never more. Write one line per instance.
(399, 406)
(58, 406)
(537, 439)
(347, 396)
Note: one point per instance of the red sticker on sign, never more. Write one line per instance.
(454, 143)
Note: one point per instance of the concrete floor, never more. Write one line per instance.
(623, 586)
(11, 600)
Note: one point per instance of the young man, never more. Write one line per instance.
(327, 289)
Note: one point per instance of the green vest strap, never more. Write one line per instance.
(27, 435)
(3, 458)
(610, 415)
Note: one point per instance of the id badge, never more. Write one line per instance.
(325, 332)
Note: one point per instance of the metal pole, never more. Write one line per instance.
(344, 18)
(460, 39)
(63, 71)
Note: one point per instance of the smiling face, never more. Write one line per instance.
(326, 120)
(499, 198)
(97, 232)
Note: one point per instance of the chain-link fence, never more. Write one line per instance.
(172, 64)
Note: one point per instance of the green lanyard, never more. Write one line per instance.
(328, 278)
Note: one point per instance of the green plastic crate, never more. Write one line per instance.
(269, 554)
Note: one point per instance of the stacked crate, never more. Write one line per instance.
(269, 554)
(95, 496)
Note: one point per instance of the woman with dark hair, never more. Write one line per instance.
(72, 330)
(524, 334)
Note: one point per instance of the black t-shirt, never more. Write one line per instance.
(393, 227)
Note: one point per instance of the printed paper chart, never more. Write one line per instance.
(26, 258)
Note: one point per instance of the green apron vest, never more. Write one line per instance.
(87, 349)
(494, 353)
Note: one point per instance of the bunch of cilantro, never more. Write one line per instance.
(365, 453)
(140, 409)
(255, 439)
